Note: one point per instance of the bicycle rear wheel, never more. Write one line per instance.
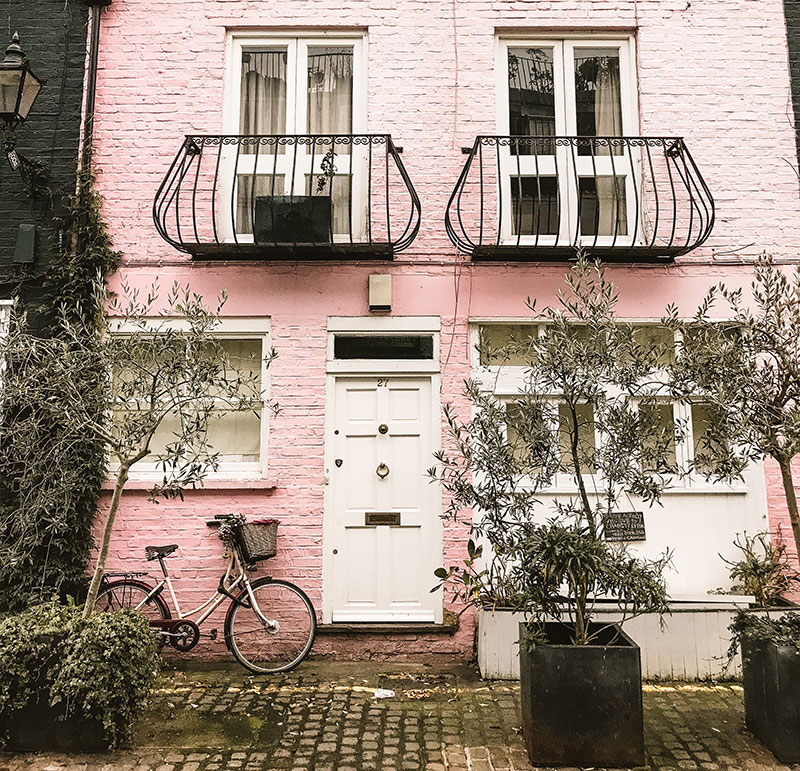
(279, 645)
(128, 594)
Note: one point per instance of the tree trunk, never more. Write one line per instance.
(94, 587)
(791, 498)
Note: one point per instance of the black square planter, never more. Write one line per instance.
(293, 219)
(582, 704)
(771, 679)
(38, 726)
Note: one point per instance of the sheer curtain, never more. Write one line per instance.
(330, 90)
(608, 123)
(263, 94)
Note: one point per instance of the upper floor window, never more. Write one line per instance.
(565, 176)
(297, 88)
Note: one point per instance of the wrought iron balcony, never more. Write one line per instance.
(542, 197)
(288, 197)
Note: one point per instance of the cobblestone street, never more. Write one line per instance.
(331, 717)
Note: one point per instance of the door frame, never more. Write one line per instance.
(376, 326)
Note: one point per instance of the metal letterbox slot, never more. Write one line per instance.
(373, 518)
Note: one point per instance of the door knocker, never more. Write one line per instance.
(382, 471)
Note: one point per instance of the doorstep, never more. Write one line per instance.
(449, 627)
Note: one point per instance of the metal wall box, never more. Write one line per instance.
(380, 292)
(25, 249)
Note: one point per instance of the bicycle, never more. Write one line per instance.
(270, 624)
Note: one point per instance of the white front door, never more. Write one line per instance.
(384, 539)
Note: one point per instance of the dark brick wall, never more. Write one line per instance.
(53, 34)
(792, 8)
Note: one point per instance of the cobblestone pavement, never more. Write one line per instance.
(330, 717)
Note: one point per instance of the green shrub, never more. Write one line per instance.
(101, 668)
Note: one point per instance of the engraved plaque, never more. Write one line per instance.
(624, 526)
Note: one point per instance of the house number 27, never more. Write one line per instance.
(383, 382)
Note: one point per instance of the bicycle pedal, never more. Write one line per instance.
(212, 635)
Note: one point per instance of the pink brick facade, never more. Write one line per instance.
(714, 73)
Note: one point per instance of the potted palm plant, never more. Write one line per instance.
(589, 429)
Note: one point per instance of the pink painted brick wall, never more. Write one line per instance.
(713, 72)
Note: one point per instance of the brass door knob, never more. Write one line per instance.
(382, 471)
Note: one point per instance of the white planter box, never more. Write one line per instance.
(691, 646)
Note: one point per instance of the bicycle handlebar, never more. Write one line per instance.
(219, 519)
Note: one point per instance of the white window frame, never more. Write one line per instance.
(507, 381)
(297, 45)
(232, 328)
(5, 316)
(564, 47)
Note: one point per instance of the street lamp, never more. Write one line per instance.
(19, 87)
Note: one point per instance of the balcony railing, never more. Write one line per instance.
(542, 197)
(288, 197)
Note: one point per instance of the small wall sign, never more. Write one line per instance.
(623, 526)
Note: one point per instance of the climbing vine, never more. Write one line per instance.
(47, 510)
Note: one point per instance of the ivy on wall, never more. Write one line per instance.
(50, 481)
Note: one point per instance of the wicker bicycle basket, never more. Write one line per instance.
(258, 540)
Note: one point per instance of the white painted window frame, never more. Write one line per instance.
(297, 45)
(232, 328)
(564, 47)
(506, 382)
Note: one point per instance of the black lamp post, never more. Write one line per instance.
(19, 87)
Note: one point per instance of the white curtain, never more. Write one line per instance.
(263, 103)
(330, 90)
(608, 123)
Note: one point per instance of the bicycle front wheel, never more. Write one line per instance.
(282, 641)
(136, 595)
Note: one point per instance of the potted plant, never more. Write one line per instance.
(770, 650)
(298, 219)
(746, 371)
(587, 427)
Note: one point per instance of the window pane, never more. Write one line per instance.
(514, 338)
(246, 193)
(659, 442)
(702, 439)
(263, 94)
(338, 188)
(531, 97)
(653, 336)
(236, 436)
(534, 206)
(585, 436)
(598, 102)
(244, 356)
(530, 441)
(602, 206)
(330, 90)
(383, 347)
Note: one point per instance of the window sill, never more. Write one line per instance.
(210, 484)
(704, 489)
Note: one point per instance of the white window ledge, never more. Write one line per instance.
(208, 485)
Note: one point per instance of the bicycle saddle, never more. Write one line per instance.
(154, 552)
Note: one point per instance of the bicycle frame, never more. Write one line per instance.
(224, 592)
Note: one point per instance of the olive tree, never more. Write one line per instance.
(591, 412)
(741, 356)
(163, 374)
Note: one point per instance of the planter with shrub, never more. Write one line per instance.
(70, 683)
(771, 678)
(586, 413)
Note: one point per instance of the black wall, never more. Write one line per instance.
(792, 8)
(53, 34)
